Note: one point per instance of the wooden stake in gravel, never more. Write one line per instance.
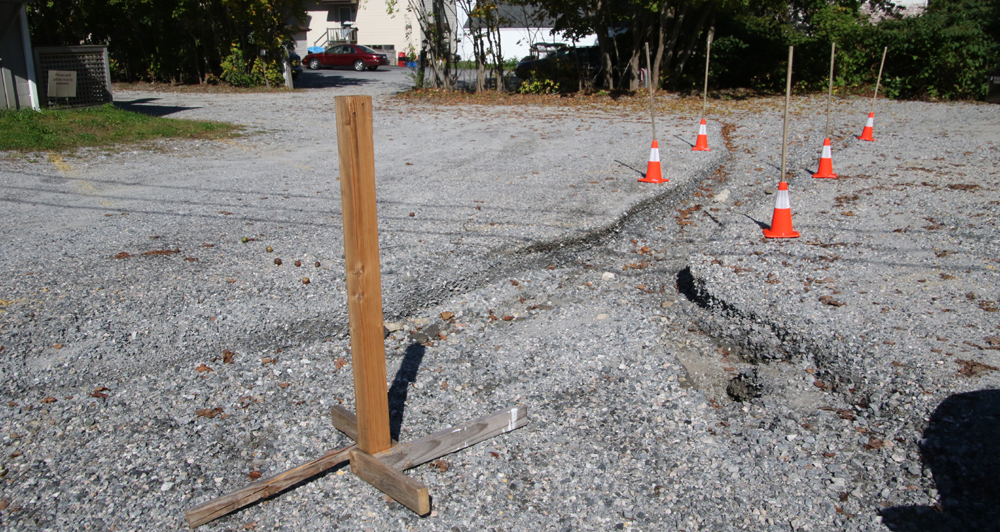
(708, 55)
(879, 79)
(649, 79)
(784, 128)
(375, 458)
(829, 94)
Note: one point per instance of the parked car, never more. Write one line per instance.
(565, 62)
(346, 55)
(296, 62)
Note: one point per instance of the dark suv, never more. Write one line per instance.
(566, 64)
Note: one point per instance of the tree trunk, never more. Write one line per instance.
(693, 40)
(675, 33)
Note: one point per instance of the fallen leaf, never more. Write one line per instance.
(15, 454)
(49, 400)
(449, 315)
(227, 356)
(122, 255)
(254, 475)
(444, 385)
(225, 213)
(873, 444)
(507, 318)
(494, 454)
(819, 384)
(971, 368)
(440, 464)
(3, 504)
(99, 395)
(268, 360)
(202, 368)
(283, 385)
(250, 526)
(829, 454)
(12, 404)
(513, 282)
(339, 363)
(57, 346)
(101, 389)
(209, 412)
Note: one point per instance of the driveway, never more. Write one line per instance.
(395, 79)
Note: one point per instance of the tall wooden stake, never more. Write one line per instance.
(364, 286)
(784, 129)
(373, 458)
(649, 77)
(879, 80)
(829, 95)
(704, 92)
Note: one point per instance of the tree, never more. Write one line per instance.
(168, 40)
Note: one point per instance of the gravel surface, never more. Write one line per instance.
(680, 372)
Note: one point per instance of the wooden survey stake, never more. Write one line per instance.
(375, 458)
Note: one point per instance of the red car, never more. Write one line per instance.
(346, 55)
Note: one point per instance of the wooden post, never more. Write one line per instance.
(649, 78)
(708, 54)
(784, 128)
(879, 80)
(829, 94)
(364, 286)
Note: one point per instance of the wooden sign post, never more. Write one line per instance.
(374, 458)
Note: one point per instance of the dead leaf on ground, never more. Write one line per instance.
(49, 400)
(440, 464)
(971, 368)
(202, 368)
(873, 444)
(254, 475)
(268, 360)
(209, 412)
(284, 385)
(339, 363)
(227, 356)
(446, 315)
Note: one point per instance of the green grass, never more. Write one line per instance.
(67, 129)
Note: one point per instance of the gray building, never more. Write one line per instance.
(17, 69)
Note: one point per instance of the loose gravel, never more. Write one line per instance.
(680, 372)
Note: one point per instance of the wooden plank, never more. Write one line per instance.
(416, 452)
(262, 489)
(393, 483)
(344, 421)
(364, 285)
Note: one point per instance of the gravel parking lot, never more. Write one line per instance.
(680, 372)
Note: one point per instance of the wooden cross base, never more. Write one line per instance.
(384, 460)
(382, 470)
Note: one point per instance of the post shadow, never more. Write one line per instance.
(643, 174)
(400, 385)
(685, 140)
(961, 447)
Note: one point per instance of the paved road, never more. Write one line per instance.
(396, 77)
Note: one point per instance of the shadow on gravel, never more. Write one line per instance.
(641, 173)
(762, 225)
(685, 140)
(142, 106)
(323, 79)
(397, 392)
(961, 447)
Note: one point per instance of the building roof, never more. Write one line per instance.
(516, 16)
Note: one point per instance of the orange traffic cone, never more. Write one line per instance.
(653, 173)
(826, 163)
(781, 222)
(702, 143)
(869, 126)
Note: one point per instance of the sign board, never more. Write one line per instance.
(62, 84)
